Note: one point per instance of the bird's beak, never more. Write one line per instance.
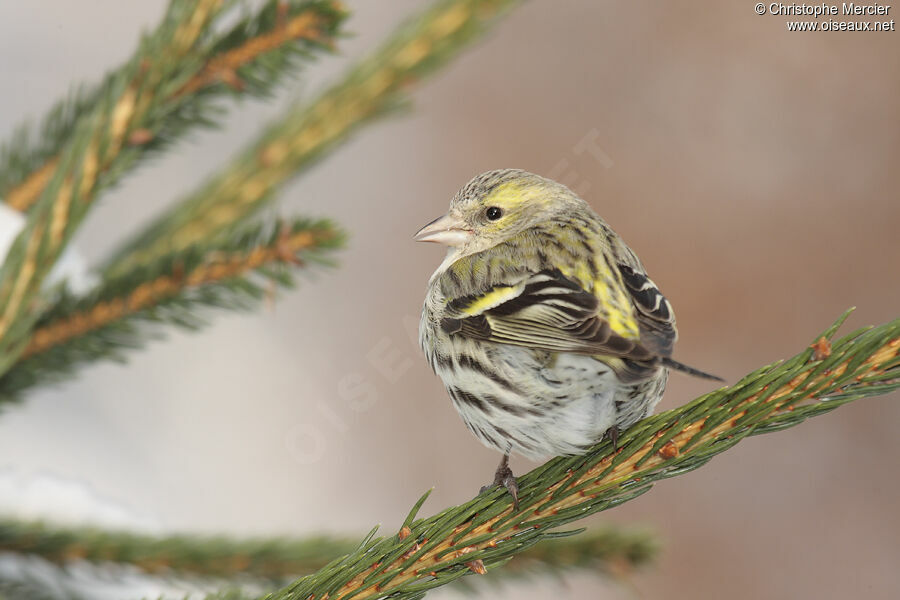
(447, 230)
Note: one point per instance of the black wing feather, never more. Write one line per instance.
(552, 312)
(656, 321)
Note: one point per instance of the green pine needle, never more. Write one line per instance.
(191, 97)
(124, 312)
(96, 150)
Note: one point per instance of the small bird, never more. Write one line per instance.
(541, 322)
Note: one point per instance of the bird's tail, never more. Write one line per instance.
(677, 366)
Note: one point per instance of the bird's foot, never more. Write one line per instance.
(613, 434)
(504, 477)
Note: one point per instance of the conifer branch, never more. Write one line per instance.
(24, 194)
(25, 170)
(250, 58)
(305, 133)
(485, 532)
(98, 137)
(606, 549)
(612, 552)
(132, 102)
(233, 272)
(313, 24)
(218, 556)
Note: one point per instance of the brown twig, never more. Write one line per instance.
(23, 195)
(222, 68)
(218, 267)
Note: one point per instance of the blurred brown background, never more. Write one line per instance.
(754, 171)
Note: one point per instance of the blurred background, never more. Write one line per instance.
(753, 170)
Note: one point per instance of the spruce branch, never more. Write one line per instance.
(27, 165)
(273, 558)
(98, 151)
(306, 132)
(608, 551)
(254, 54)
(98, 137)
(251, 58)
(276, 559)
(484, 533)
(234, 272)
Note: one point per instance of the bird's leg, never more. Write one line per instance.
(613, 434)
(504, 476)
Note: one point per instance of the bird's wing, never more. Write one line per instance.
(546, 311)
(655, 317)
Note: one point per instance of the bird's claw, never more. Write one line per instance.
(613, 435)
(512, 486)
(504, 477)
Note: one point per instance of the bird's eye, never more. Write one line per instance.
(493, 213)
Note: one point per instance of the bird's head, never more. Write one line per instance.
(496, 206)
